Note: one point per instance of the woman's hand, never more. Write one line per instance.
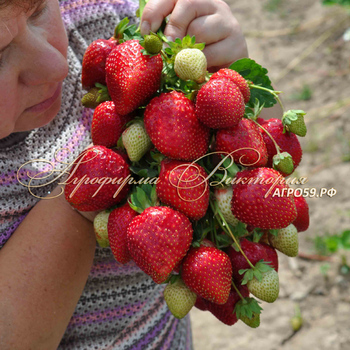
(211, 21)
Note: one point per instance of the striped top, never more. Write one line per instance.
(121, 307)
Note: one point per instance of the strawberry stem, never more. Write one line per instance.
(269, 135)
(272, 92)
(237, 290)
(226, 228)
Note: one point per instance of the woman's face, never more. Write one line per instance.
(33, 64)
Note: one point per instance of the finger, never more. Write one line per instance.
(154, 13)
(209, 29)
(184, 13)
(230, 51)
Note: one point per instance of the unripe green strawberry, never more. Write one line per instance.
(253, 322)
(179, 298)
(136, 141)
(283, 162)
(100, 228)
(293, 121)
(267, 289)
(153, 44)
(286, 241)
(223, 198)
(191, 64)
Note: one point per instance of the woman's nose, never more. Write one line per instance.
(44, 62)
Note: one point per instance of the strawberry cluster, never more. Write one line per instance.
(185, 174)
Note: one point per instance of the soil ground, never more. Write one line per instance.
(301, 43)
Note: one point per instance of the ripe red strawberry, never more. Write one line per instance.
(173, 127)
(201, 303)
(236, 78)
(206, 243)
(288, 142)
(132, 77)
(302, 221)
(118, 222)
(253, 204)
(107, 125)
(94, 62)
(207, 271)
(245, 135)
(254, 252)
(89, 186)
(184, 187)
(220, 104)
(158, 239)
(225, 312)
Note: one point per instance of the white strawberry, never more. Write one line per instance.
(268, 288)
(191, 64)
(136, 141)
(179, 298)
(100, 228)
(286, 241)
(223, 198)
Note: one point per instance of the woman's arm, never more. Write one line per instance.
(43, 268)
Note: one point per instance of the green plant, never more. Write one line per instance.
(304, 94)
(337, 2)
(273, 5)
(331, 244)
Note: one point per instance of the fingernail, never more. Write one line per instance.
(170, 38)
(145, 28)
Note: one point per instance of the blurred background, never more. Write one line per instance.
(305, 45)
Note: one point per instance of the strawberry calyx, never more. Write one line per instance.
(143, 197)
(293, 121)
(256, 271)
(120, 28)
(253, 113)
(247, 309)
(176, 46)
(95, 96)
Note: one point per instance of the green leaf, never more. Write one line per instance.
(257, 234)
(144, 172)
(263, 266)
(254, 72)
(248, 276)
(344, 3)
(274, 232)
(120, 28)
(141, 196)
(345, 239)
(239, 230)
(258, 275)
(199, 46)
(247, 307)
(223, 241)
